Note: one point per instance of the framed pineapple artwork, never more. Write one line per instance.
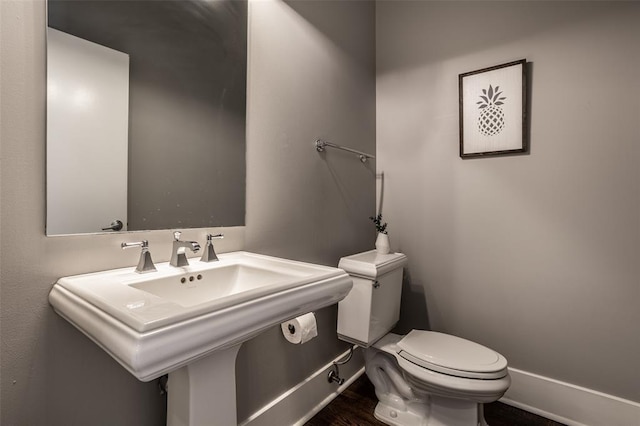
(493, 116)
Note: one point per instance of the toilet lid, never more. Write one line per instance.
(452, 355)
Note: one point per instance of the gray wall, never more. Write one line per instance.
(537, 255)
(310, 75)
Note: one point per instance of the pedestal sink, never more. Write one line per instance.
(189, 322)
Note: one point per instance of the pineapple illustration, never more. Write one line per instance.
(491, 119)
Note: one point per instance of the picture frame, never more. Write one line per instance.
(493, 110)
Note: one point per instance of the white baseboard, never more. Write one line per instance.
(567, 403)
(560, 401)
(307, 398)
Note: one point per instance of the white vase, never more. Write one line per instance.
(382, 243)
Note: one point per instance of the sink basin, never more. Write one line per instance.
(158, 322)
(229, 281)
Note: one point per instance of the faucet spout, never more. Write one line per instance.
(179, 249)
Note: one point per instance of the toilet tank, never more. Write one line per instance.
(372, 307)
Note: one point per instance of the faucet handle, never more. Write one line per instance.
(209, 254)
(210, 237)
(144, 244)
(176, 235)
(145, 264)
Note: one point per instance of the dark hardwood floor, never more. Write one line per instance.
(354, 407)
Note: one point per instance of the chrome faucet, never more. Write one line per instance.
(178, 256)
(145, 264)
(209, 253)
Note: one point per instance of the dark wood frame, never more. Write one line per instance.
(525, 140)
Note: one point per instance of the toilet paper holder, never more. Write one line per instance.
(300, 329)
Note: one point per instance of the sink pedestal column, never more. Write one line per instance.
(204, 392)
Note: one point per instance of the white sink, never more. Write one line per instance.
(227, 283)
(158, 322)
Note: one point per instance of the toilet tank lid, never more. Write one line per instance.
(372, 264)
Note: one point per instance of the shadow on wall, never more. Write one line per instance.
(330, 19)
(82, 380)
(415, 302)
(454, 21)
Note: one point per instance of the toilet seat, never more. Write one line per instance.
(426, 382)
(451, 355)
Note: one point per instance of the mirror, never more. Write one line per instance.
(146, 114)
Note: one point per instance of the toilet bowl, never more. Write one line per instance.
(425, 378)
(444, 384)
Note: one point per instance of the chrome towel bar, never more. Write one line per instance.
(321, 145)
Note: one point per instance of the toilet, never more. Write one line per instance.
(424, 378)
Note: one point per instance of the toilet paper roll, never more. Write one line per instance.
(301, 329)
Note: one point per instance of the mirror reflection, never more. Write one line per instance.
(146, 114)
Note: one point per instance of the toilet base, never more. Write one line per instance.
(393, 417)
(440, 412)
